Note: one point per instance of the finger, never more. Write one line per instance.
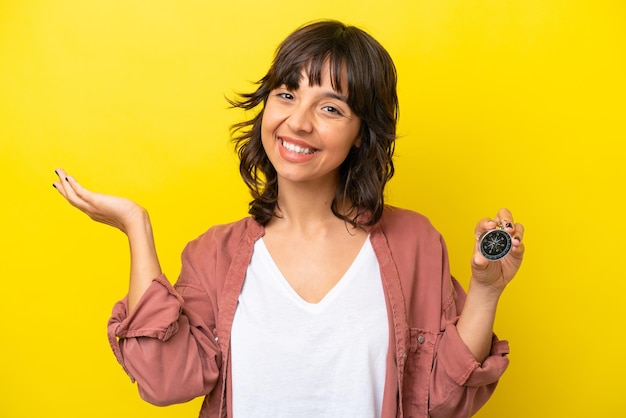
(516, 230)
(518, 235)
(484, 225)
(71, 190)
(504, 219)
(78, 190)
(64, 186)
(61, 184)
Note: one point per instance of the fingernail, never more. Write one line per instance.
(66, 179)
(54, 185)
(55, 172)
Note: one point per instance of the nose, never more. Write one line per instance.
(300, 118)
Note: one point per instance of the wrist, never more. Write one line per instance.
(487, 293)
(137, 222)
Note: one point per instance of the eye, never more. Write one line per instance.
(333, 110)
(285, 95)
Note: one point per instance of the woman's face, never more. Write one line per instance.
(308, 132)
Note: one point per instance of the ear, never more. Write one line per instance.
(357, 142)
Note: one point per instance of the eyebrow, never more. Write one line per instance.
(335, 95)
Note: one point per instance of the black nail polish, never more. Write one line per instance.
(66, 179)
(54, 185)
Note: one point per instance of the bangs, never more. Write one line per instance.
(313, 67)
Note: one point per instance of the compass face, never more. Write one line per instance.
(495, 244)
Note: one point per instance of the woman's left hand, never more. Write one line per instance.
(497, 274)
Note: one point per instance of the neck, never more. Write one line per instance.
(306, 208)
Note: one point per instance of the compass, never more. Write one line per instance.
(495, 244)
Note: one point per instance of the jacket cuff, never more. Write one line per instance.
(155, 316)
(461, 366)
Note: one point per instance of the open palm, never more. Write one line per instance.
(111, 210)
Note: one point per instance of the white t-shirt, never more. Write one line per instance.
(292, 358)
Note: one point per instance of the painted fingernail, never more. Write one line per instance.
(54, 185)
(66, 179)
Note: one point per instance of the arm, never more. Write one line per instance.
(489, 279)
(144, 263)
(459, 384)
(126, 216)
(469, 357)
(161, 336)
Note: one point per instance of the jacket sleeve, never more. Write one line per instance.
(167, 344)
(459, 384)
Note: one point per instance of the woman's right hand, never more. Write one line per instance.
(111, 210)
(125, 215)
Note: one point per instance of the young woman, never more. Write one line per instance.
(325, 302)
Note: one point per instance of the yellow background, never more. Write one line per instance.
(503, 103)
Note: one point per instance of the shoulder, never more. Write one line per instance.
(408, 235)
(226, 237)
(401, 221)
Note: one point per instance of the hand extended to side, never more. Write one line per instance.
(128, 217)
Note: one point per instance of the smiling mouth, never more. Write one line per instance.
(297, 148)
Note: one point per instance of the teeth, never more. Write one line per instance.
(298, 149)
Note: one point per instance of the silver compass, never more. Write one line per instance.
(495, 244)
